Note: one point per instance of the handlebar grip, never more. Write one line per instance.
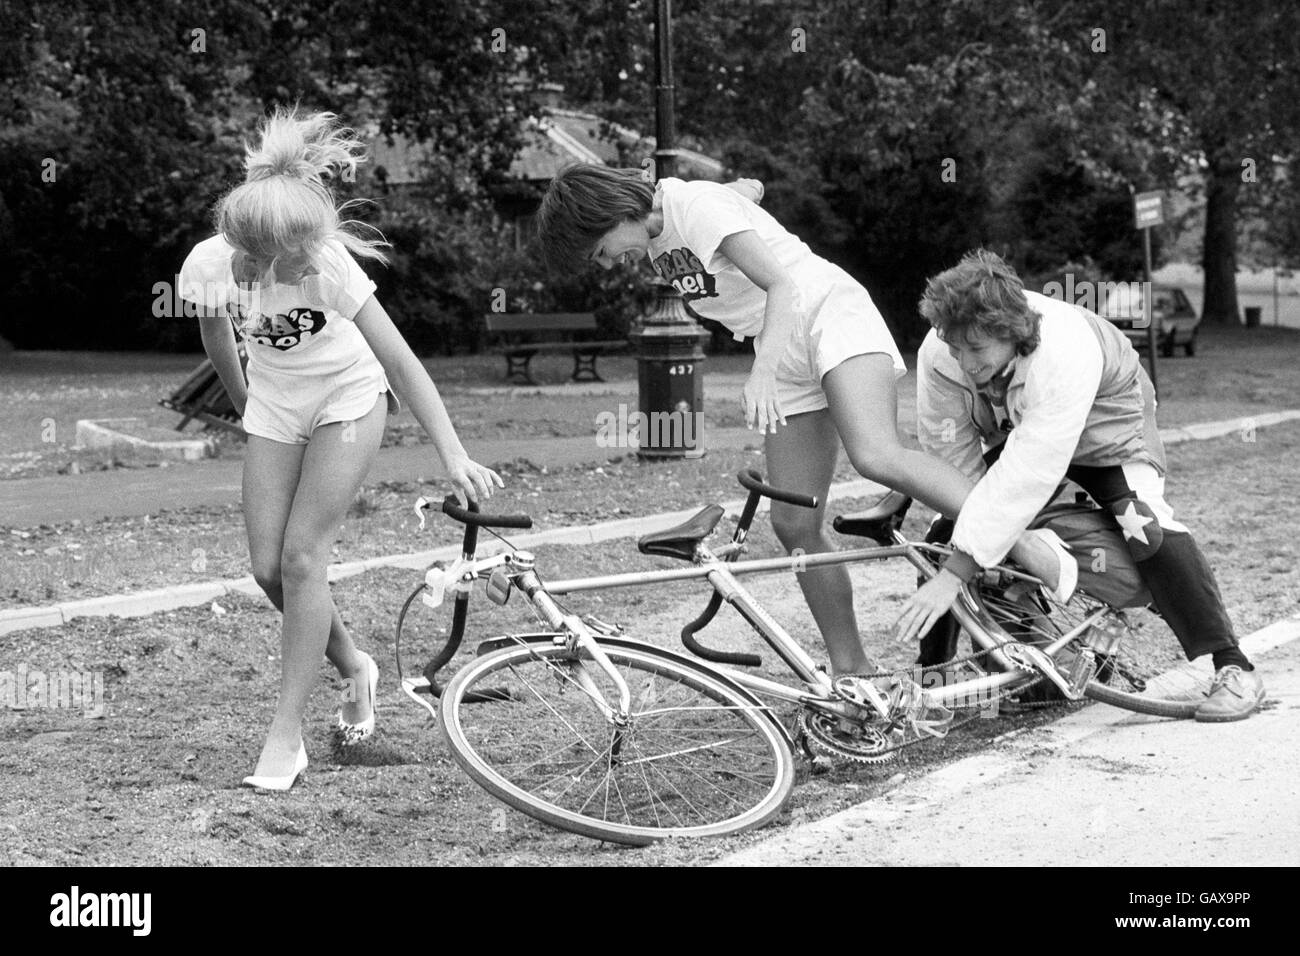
(472, 516)
(753, 481)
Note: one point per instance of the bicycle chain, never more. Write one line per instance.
(828, 745)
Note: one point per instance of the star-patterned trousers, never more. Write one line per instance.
(1172, 566)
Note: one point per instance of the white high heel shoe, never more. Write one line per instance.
(280, 783)
(352, 734)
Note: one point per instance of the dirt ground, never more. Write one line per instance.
(188, 695)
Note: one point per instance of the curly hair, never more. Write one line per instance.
(582, 204)
(981, 295)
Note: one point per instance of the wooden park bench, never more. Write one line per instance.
(520, 337)
(203, 397)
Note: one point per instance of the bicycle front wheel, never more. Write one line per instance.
(695, 757)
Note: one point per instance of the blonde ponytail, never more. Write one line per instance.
(285, 202)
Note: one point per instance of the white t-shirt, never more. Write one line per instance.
(697, 217)
(294, 333)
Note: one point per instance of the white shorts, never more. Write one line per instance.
(838, 321)
(269, 416)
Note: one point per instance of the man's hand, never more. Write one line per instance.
(924, 608)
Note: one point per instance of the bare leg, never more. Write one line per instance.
(863, 398)
(271, 471)
(333, 468)
(801, 457)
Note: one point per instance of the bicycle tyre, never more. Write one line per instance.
(1046, 619)
(488, 740)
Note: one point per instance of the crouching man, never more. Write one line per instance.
(1064, 395)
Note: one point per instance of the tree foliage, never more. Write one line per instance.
(1222, 83)
(892, 136)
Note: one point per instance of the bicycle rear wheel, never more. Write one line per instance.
(1132, 667)
(696, 758)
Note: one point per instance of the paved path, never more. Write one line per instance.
(129, 492)
(26, 502)
(1100, 787)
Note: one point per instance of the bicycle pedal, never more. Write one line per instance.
(1034, 659)
(861, 691)
(1082, 669)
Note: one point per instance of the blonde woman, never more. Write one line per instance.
(325, 364)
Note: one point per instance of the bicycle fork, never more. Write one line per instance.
(578, 637)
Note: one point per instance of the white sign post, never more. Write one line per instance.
(1148, 211)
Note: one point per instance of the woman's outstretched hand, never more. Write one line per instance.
(758, 398)
(472, 480)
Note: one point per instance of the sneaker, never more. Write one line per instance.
(1234, 695)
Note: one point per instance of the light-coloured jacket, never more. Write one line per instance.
(1080, 398)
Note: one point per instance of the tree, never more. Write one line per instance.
(1224, 78)
(121, 125)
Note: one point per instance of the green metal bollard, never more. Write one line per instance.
(670, 380)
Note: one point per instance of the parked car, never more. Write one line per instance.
(1172, 314)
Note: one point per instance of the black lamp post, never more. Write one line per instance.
(668, 341)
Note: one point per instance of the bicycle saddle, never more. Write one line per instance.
(681, 541)
(879, 522)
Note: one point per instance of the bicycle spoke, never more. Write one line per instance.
(678, 753)
(645, 782)
(688, 767)
(547, 704)
(720, 746)
(563, 674)
(685, 800)
(578, 777)
(521, 768)
(671, 710)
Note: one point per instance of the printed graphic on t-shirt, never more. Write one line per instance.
(684, 270)
(281, 331)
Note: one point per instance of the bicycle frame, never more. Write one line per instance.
(722, 576)
(1014, 662)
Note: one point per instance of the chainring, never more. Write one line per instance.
(866, 744)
